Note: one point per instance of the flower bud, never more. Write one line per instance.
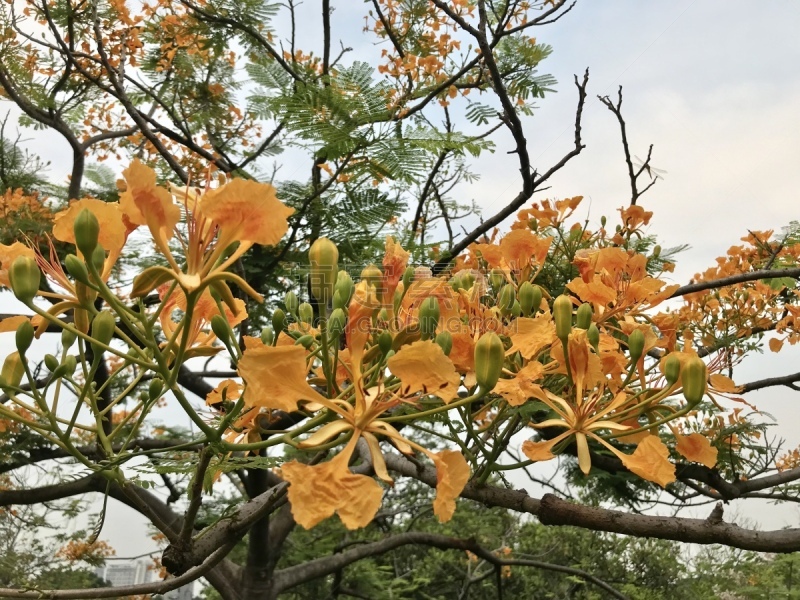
(506, 299)
(278, 320)
(70, 364)
(51, 362)
(344, 287)
(24, 337)
(603, 221)
(672, 369)
(154, 389)
(103, 327)
(219, 325)
(13, 370)
(694, 379)
(530, 298)
(516, 309)
(24, 277)
(496, 280)
(593, 335)
(77, 268)
(385, 342)
(67, 339)
(323, 257)
(489, 358)
(583, 316)
(336, 324)
(305, 341)
(306, 313)
(456, 283)
(86, 229)
(636, 345)
(467, 280)
(267, 336)
(372, 275)
(445, 341)
(562, 316)
(408, 277)
(98, 258)
(338, 300)
(656, 251)
(428, 317)
(291, 302)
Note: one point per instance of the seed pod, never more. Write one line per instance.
(385, 342)
(77, 268)
(445, 341)
(583, 316)
(219, 325)
(372, 275)
(323, 257)
(336, 324)
(562, 316)
(12, 371)
(593, 335)
(24, 276)
(86, 229)
(103, 327)
(506, 299)
(278, 320)
(636, 345)
(496, 280)
(267, 336)
(24, 337)
(694, 379)
(428, 317)
(154, 389)
(305, 341)
(306, 313)
(672, 369)
(489, 358)
(291, 302)
(51, 362)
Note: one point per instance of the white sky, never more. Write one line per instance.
(714, 84)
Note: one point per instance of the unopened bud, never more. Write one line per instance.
(344, 287)
(385, 342)
(267, 336)
(154, 389)
(305, 312)
(24, 337)
(496, 280)
(672, 369)
(528, 293)
(278, 320)
(98, 258)
(694, 378)
(24, 276)
(489, 358)
(13, 370)
(506, 299)
(636, 345)
(372, 275)
(323, 259)
(562, 316)
(219, 325)
(67, 338)
(86, 229)
(429, 317)
(408, 277)
(583, 316)
(336, 324)
(291, 301)
(103, 327)
(305, 341)
(445, 341)
(593, 335)
(77, 268)
(656, 251)
(51, 362)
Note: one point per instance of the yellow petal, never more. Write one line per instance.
(650, 461)
(113, 231)
(423, 367)
(723, 384)
(696, 448)
(452, 474)
(276, 377)
(542, 451)
(531, 336)
(8, 254)
(12, 323)
(145, 203)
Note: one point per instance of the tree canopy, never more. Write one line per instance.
(362, 379)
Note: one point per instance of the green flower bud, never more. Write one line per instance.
(516, 309)
(306, 313)
(103, 327)
(278, 320)
(489, 358)
(291, 302)
(603, 221)
(408, 277)
(86, 229)
(467, 280)
(267, 336)
(221, 329)
(385, 342)
(24, 337)
(67, 339)
(506, 299)
(527, 298)
(154, 389)
(338, 300)
(694, 378)
(98, 257)
(323, 257)
(593, 335)
(656, 251)
(344, 287)
(672, 369)
(372, 275)
(336, 324)
(12, 371)
(70, 364)
(445, 341)
(51, 362)
(583, 316)
(562, 316)
(496, 280)
(77, 268)
(429, 317)
(383, 315)
(636, 345)
(305, 341)
(456, 283)
(24, 276)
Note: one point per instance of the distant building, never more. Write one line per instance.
(132, 573)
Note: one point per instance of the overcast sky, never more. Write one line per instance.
(715, 86)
